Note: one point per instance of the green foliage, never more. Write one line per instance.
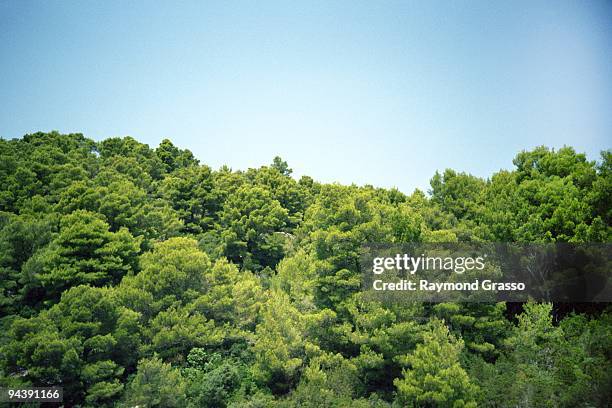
(280, 350)
(548, 198)
(231, 297)
(434, 375)
(137, 276)
(550, 365)
(42, 164)
(328, 381)
(150, 162)
(215, 379)
(459, 194)
(483, 327)
(83, 252)
(252, 225)
(174, 271)
(175, 331)
(192, 194)
(20, 237)
(76, 344)
(296, 276)
(173, 157)
(156, 384)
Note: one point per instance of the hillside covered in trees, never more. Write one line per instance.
(132, 275)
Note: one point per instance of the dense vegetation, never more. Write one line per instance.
(137, 276)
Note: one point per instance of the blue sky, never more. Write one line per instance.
(382, 93)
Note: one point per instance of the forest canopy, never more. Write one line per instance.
(132, 275)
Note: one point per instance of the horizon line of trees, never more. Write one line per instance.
(132, 275)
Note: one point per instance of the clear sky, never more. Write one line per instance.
(374, 92)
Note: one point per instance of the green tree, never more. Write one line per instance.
(173, 157)
(252, 228)
(214, 378)
(83, 252)
(175, 331)
(280, 350)
(231, 297)
(75, 344)
(114, 147)
(193, 195)
(174, 271)
(434, 375)
(156, 384)
(20, 237)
